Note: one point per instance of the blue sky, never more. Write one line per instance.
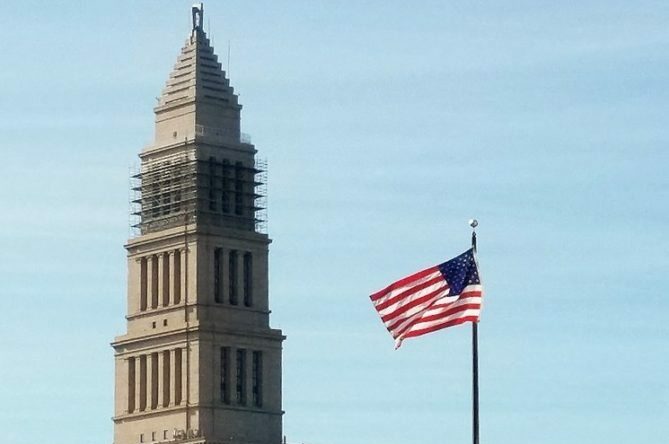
(387, 125)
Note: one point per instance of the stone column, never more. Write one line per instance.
(161, 381)
(173, 378)
(216, 374)
(134, 286)
(184, 376)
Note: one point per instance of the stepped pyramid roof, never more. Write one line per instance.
(198, 76)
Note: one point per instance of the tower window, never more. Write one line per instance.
(166, 279)
(166, 378)
(239, 189)
(177, 376)
(232, 278)
(225, 195)
(218, 297)
(257, 378)
(225, 375)
(142, 284)
(154, 281)
(241, 377)
(131, 385)
(142, 383)
(212, 184)
(248, 279)
(177, 277)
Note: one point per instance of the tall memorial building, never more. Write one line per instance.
(199, 362)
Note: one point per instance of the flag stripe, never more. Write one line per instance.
(415, 312)
(438, 312)
(408, 291)
(403, 282)
(439, 306)
(446, 324)
(436, 316)
(412, 299)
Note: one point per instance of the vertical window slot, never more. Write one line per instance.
(225, 375)
(177, 277)
(131, 385)
(232, 276)
(257, 378)
(178, 375)
(241, 377)
(218, 296)
(142, 284)
(248, 279)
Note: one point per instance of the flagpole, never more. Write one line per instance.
(475, 358)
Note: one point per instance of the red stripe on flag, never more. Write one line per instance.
(406, 307)
(452, 322)
(403, 282)
(450, 312)
(450, 308)
(409, 292)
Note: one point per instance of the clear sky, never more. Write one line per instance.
(387, 125)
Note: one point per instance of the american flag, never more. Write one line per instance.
(438, 297)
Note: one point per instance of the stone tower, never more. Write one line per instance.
(199, 362)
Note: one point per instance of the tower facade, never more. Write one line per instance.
(199, 362)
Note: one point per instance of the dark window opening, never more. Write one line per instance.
(177, 277)
(143, 284)
(225, 375)
(218, 297)
(177, 376)
(225, 195)
(232, 279)
(248, 279)
(257, 378)
(212, 184)
(239, 189)
(241, 377)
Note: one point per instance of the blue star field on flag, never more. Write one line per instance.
(460, 272)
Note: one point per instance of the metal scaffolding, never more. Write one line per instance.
(182, 189)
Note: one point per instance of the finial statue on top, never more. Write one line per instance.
(198, 17)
